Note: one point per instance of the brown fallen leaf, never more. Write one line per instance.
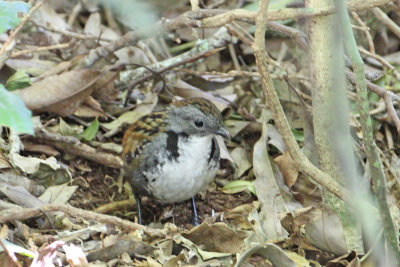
(61, 94)
(90, 109)
(288, 168)
(347, 260)
(217, 237)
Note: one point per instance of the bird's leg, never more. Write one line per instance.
(139, 207)
(195, 218)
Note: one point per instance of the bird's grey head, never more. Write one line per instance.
(195, 116)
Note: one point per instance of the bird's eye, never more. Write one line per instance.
(199, 123)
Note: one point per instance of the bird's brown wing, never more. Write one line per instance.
(140, 133)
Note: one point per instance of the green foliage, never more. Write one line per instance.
(239, 186)
(90, 131)
(13, 248)
(18, 80)
(13, 112)
(298, 135)
(9, 14)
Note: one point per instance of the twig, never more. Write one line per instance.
(5, 50)
(298, 36)
(392, 112)
(235, 30)
(210, 18)
(212, 75)
(73, 146)
(386, 64)
(278, 114)
(234, 58)
(284, 13)
(375, 165)
(74, 14)
(40, 49)
(386, 95)
(131, 38)
(125, 225)
(381, 16)
(202, 49)
(71, 34)
(365, 29)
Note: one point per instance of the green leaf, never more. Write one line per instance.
(9, 14)
(13, 112)
(18, 80)
(239, 186)
(16, 249)
(298, 135)
(90, 131)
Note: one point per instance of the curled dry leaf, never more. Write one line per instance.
(240, 157)
(217, 237)
(30, 165)
(130, 117)
(288, 168)
(198, 254)
(267, 190)
(105, 89)
(348, 259)
(224, 153)
(269, 251)
(238, 215)
(326, 233)
(132, 247)
(61, 94)
(90, 109)
(10, 178)
(235, 126)
(301, 188)
(293, 221)
(46, 15)
(275, 138)
(58, 194)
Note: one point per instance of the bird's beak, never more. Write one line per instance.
(223, 132)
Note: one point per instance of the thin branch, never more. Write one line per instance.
(202, 49)
(211, 18)
(382, 17)
(73, 146)
(365, 29)
(71, 34)
(392, 112)
(40, 49)
(386, 95)
(285, 13)
(125, 225)
(278, 114)
(6, 49)
(386, 64)
(377, 174)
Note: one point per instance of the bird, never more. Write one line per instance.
(172, 155)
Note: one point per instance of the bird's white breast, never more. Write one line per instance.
(182, 178)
